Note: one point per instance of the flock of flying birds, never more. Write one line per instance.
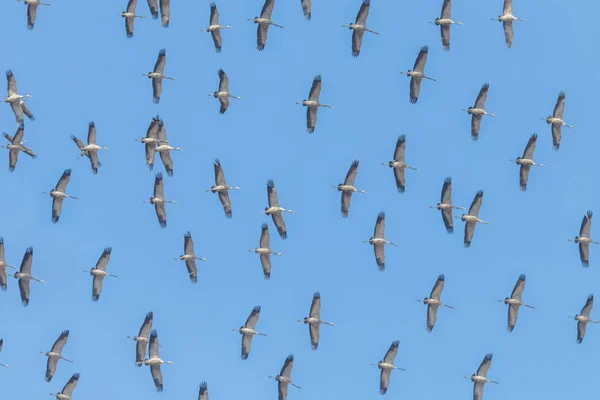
(156, 141)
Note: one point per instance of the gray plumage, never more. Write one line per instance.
(3, 266)
(274, 202)
(472, 218)
(264, 22)
(385, 375)
(99, 278)
(129, 15)
(142, 339)
(58, 194)
(67, 392)
(378, 241)
(514, 302)
(359, 27)
(165, 13)
(153, 5)
(91, 153)
(246, 337)
(55, 354)
(585, 313)
(306, 9)
(312, 104)
(16, 146)
(349, 181)
(24, 276)
(203, 391)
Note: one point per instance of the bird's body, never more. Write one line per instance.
(347, 188)
(584, 318)
(313, 104)
(434, 302)
(444, 22)
(472, 218)
(417, 74)
(514, 302)
(248, 331)
(17, 145)
(274, 210)
(399, 164)
(189, 257)
(264, 22)
(359, 27)
(158, 200)
(314, 320)
(526, 162)
(507, 19)
(55, 354)
(154, 361)
(265, 251)
(223, 93)
(378, 241)
(215, 28)
(157, 75)
(32, 6)
(387, 366)
(584, 240)
(556, 120)
(477, 111)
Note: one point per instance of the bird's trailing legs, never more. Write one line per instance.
(111, 275)
(4, 365)
(589, 320)
(532, 165)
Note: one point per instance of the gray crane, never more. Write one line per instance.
(507, 19)
(417, 74)
(215, 28)
(58, 194)
(3, 266)
(222, 188)
(67, 392)
(17, 144)
(398, 164)
(556, 120)
(91, 148)
(314, 320)
(445, 205)
(16, 100)
(157, 75)
(583, 240)
(284, 378)
(265, 251)
(164, 149)
(55, 354)
(189, 257)
(444, 22)
(32, 6)
(264, 21)
(1, 344)
(387, 366)
(141, 340)
(275, 210)
(477, 111)
(306, 9)
(583, 318)
(359, 27)
(154, 361)
(480, 378)
(347, 188)
(248, 331)
(203, 391)
(312, 104)
(158, 200)
(433, 301)
(130, 16)
(526, 162)
(514, 302)
(223, 93)
(24, 276)
(151, 140)
(99, 273)
(153, 5)
(378, 241)
(472, 218)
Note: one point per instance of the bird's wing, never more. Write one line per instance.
(219, 174)
(518, 289)
(400, 148)
(159, 186)
(351, 175)
(27, 261)
(265, 261)
(56, 208)
(513, 313)
(485, 365)
(252, 318)
(217, 40)
(91, 138)
(421, 60)
(530, 147)
(272, 194)
(261, 36)
(246, 346)
(62, 183)
(31, 13)
(415, 88)
(165, 12)
(315, 306)
(156, 89)
(475, 126)
(78, 142)
(24, 289)
(384, 380)
(378, 248)
(282, 388)
(482, 96)
(153, 4)
(161, 214)
(140, 353)
(27, 112)
(223, 81)
(59, 344)
(94, 162)
(162, 133)
(150, 153)
(286, 370)
(478, 391)
(313, 331)
(153, 128)
(97, 287)
(363, 13)
(436, 291)
(129, 21)
(264, 237)
(469, 231)
(357, 37)
(400, 180)
(589, 304)
(476, 204)
(390, 355)
(311, 118)
(431, 316)
(188, 244)
(13, 156)
(203, 391)
(556, 135)
(508, 32)
(586, 225)
(306, 8)
(146, 326)
(446, 8)
(192, 270)
(581, 326)
(161, 61)
(131, 4)
(50, 368)
(524, 176)
(224, 104)
(280, 224)
(157, 377)
(507, 9)
(447, 218)
(379, 225)
(1, 249)
(70, 386)
(584, 254)
(3, 282)
(165, 157)
(153, 344)
(17, 110)
(560, 106)
(445, 32)
(226, 203)
(214, 14)
(104, 258)
(315, 89)
(18, 135)
(8, 137)
(267, 9)
(11, 83)
(446, 196)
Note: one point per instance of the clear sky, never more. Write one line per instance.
(79, 66)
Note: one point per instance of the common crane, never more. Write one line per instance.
(312, 104)
(55, 354)
(480, 378)
(223, 93)
(151, 140)
(359, 27)
(556, 120)
(158, 200)
(215, 28)
(306, 9)
(32, 6)
(222, 188)
(154, 361)
(444, 22)
(433, 301)
(265, 251)
(378, 241)
(398, 164)
(417, 74)
(164, 149)
(274, 210)
(141, 340)
(387, 366)
(3, 266)
(58, 194)
(24, 276)
(477, 111)
(203, 391)
(91, 149)
(264, 21)
(347, 188)
(247, 331)
(67, 391)
(283, 379)
(583, 318)
(507, 19)
(99, 273)
(583, 240)
(3, 365)
(472, 218)
(13, 97)
(526, 162)
(17, 144)
(130, 17)
(157, 75)
(153, 5)
(445, 205)
(514, 302)
(189, 257)
(314, 320)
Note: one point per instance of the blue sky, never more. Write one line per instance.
(79, 67)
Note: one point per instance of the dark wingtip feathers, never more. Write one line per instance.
(256, 309)
(150, 315)
(485, 86)
(448, 180)
(95, 297)
(488, 357)
(9, 73)
(188, 235)
(395, 343)
(591, 297)
(211, 5)
(162, 52)
(441, 277)
(318, 78)
(310, 130)
(264, 227)
(561, 95)
(153, 333)
(534, 136)
(467, 244)
(425, 49)
(91, 124)
(290, 358)
(402, 138)
(589, 214)
(270, 183)
(317, 295)
(381, 214)
(480, 193)
(217, 162)
(29, 250)
(67, 171)
(522, 277)
(158, 176)
(283, 235)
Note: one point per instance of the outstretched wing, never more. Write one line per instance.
(165, 13)
(530, 147)
(524, 176)
(357, 37)
(508, 32)
(469, 231)
(421, 60)
(560, 106)
(475, 126)
(280, 224)
(415, 88)
(431, 316)
(482, 96)
(476, 204)
(351, 175)
(306, 9)
(153, 4)
(267, 9)
(363, 13)
(261, 36)
(226, 203)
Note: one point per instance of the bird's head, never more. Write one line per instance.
(17, 275)
(339, 186)
(212, 189)
(576, 240)
(151, 200)
(424, 300)
(351, 25)
(438, 205)
(518, 159)
(241, 327)
(123, 14)
(549, 119)
(506, 300)
(305, 320)
(216, 94)
(437, 21)
(256, 20)
(149, 73)
(266, 208)
(409, 72)
(463, 217)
